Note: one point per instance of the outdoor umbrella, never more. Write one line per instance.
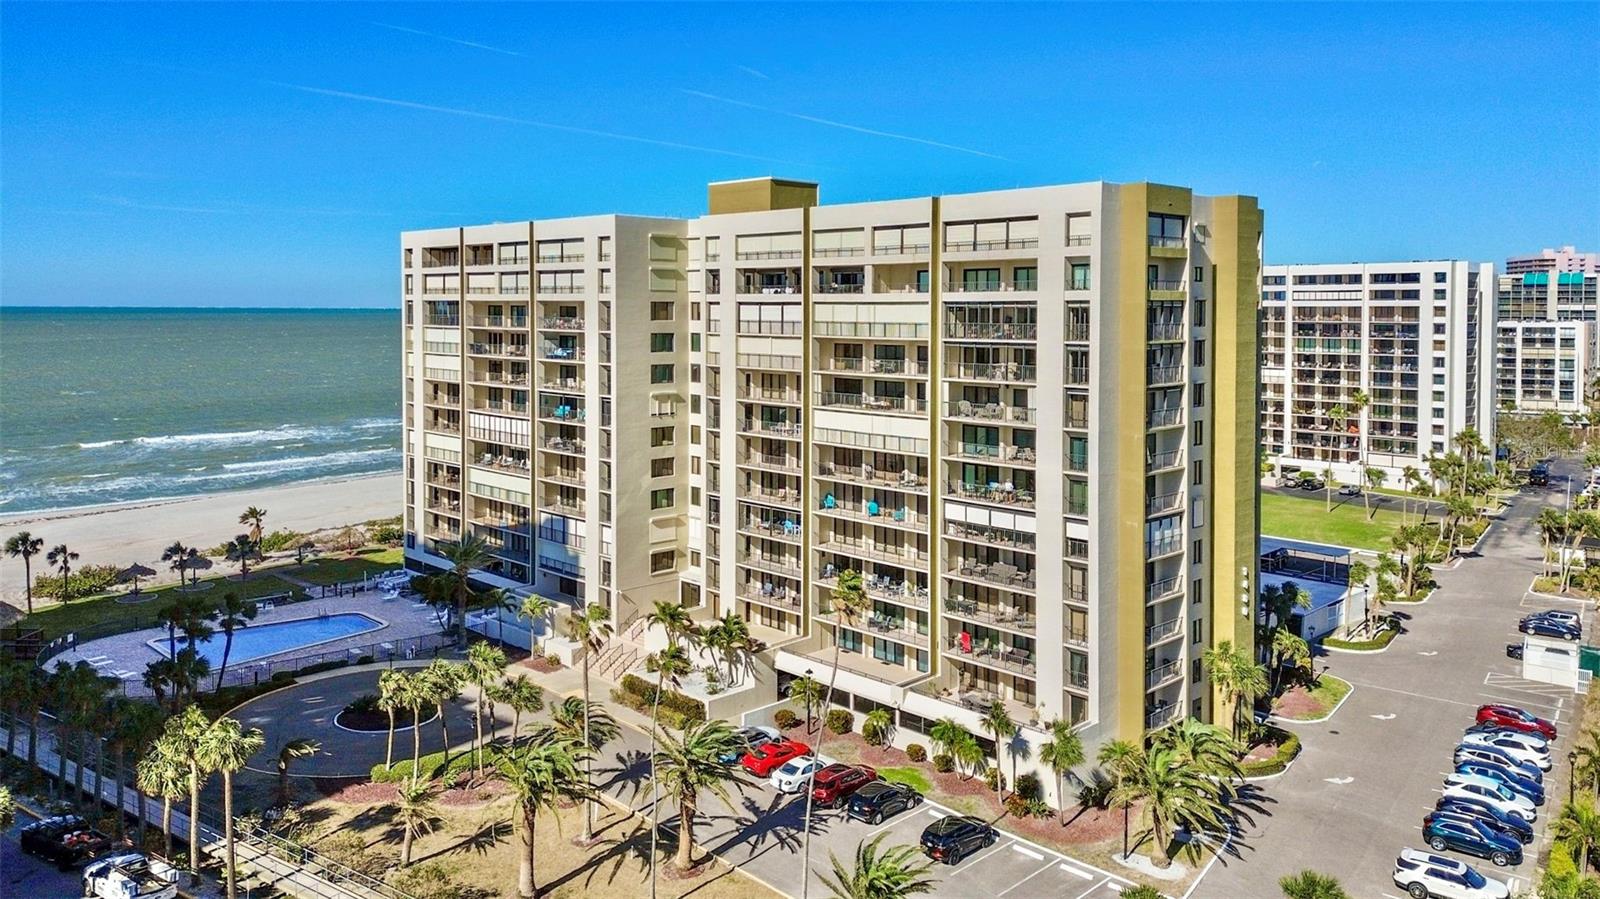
(197, 563)
(133, 573)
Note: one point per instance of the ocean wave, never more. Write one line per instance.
(323, 461)
(100, 443)
(283, 436)
(368, 423)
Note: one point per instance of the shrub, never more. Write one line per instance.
(432, 765)
(917, 752)
(350, 850)
(432, 880)
(684, 707)
(994, 779)
(1142, 892)
(943, 763)
(839, 721)
(1028, 786)
(1288, 748)
(279, 541)
(1096, 792)
(321, 667)
(366, 703)
(1384, 638)
(785, 719)
(670, 717)
(1038, 808)
(1016, 806)
(86, 581)
(552, 659)
(387, 534)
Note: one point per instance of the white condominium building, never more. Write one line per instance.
(1410, 337)
(1026, 417)
(1566, 259)
(1543, 366)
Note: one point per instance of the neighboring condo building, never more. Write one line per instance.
(1566, 259)
(1411, 337)
(1547, 296)
(1542, 366)
(1026, 417)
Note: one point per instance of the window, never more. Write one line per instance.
(661, 436)
(1199, 274)
(661, 499)
(1199, 432)
(660, 312)
(1199, 395)
(1199, 553)
(1199, 352)
(1196, 631)
(1197, 590)
(694, 404)
(1079, 276)
(661, 468)
(694, 373)
(1166, 230)
(694, 342)
(1200, 311)
(1196, 671)
(663, 561)
(694, 496)
(1078, 229)
(1439, 277)
(1025, 277)
(694, 464)
(661, 374)
(661, 342)
(1198, 472)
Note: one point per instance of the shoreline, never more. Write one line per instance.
(138, 530)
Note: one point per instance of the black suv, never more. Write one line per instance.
(881, 799)
(950, 839)
(66, 840)
(1539, 476)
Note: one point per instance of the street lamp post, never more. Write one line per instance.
(808, 701)
(1572, 776)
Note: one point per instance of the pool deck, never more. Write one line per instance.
(124, 656)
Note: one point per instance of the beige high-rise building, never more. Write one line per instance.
(1027, 418)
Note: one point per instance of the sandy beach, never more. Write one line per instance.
(125, 533)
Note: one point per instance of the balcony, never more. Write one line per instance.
(773, 496)
(991, 536)
(444, 321)
(787, 566)
(1159, 375)
(1017, 285)
(891, 405)
(1164, 589)
(785, 395)
(776, 329)
(902, 555)
(443, 427)
(880, 587)
(998, 494)
(496, 377)
(781, 429)
(1163, 503)
(1022, 456)
(995, 412)
(1162, 715)
(1163, 546)
(1018, 331)
(902, 480)
(1004, 372)
(1015, 661)
(560, 323)
(888, 627)
(1170, 672)
(999, 574)
(1163, 631)
(872, 512)
(753, 287)
(769, 595)
(897, 367)
(565, 445)
(1164, 289)
(1000, 616)
(970, 246)
(500, 321)
(559, 289)
(777, 461)
(1164, 418)
(508, 350)
(785, 529)
(556, 353)
(1166, 243)
(839, 287)
(501, 406)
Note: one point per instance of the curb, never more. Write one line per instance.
(1414, 602)
(1331, 712)
(1358, 652)
(1542, 595)
(1266, 777)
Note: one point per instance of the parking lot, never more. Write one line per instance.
(1366, 778)
(24, 875)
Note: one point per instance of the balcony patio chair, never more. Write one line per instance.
(964, 409)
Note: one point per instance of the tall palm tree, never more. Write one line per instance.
(737, 644)
(231, 614)
(31, 689)
(946, 733)
(674, 620)
(877, 727)
(806, 692)
(470, 552)
(391, 687)
(61, 559)
(1374, 478)
(139, 727)
(590, 628)
(535, 608)
(997, 722)
(186, 733)
(23, 545)
(1579, 826)
(1061, 753)
(163, 775)
(541, 772)
(413, 694)
(524, 697)
(1239, 678)
(849, 600)
(1119, 758)
(443, 682)
(568, 717)
(177, 556)
(1552, 523)
(668, 665)
(691, 763)
(1288, 651)
(297, 748)
(1412, 481)
(189, 671)
(486, 663)
(1310, 884)
(241, 551)
(416, 814)
(254, 517)
(227, 747)
(893, 874)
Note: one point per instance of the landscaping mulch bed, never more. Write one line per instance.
(1297, 702)
(462, 793)
(1260, 752)
(541, 665)
(373, 722)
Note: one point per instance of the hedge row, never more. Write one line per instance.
(669, 717)
(1288, 748)
(1383, 639)
(432, 766)
(644, 691)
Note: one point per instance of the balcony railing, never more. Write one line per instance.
(771, 460)
(778, 428)
(778, 289)
(1009, 372)
(514, 350)
(991, 536)
(878, 366)
(775, 328)
(999, 615)
(904, 479)
(1162, 675)
(1162, 630)
(1000, 574)
(867, 402)
(1165, 374)
(1161, 716)
(1162, 589)
(1164, 331)
(444, 321)
(991, 331)
(561, 323)
(840, 287)
(1164, 418)
(1162, 546)
(1017, 661)
(1165, 242)
(566, 445)
(776, 394)
(984, 286)
(990, 412)
(499, 321)
(757, 255)
(998, 494)
(1157, 285)
(967, 246)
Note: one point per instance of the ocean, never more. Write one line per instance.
(109, 405)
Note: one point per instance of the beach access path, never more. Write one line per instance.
(124, 533)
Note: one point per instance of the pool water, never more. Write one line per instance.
(257, 641)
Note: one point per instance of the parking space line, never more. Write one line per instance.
(1519, 702)
(1412, 694)
(977, 858)
(1096, 887)
(1023, 850)
(1022, 881)
(1071, 870)
(934, 814)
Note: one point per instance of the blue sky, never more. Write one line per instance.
(256, 155)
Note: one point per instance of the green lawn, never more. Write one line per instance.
(1305, 518)
(1327, 694)
(103, 615)
(910, 775)
(342, 571)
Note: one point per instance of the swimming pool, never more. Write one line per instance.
(257, 641)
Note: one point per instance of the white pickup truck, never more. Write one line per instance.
(130, 876)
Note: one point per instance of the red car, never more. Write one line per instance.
(837, 783)
(1513, 718)
(764, 759)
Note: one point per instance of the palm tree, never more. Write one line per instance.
(1119, 757)
(486, 663)
(524, 697)
(1587, 749)
(1328, 485)
(1237, 676)
(1552, 523)
(23, 545)
(241, 551)
(1579, 826)
(231, 614)
(297, 748)
(391, 698)
(590, 629)
(189, 671)
(668, 665)
(694, 762)
(30, 689)
(945, 734)
(1374, 478)
(895, 874)
(470, 552)
(877, 727)
(61, 559)
(183, 737)
(997, 722)
(178, 556)
(416, 814)
(968, 754)
(807, 692)
(1180, 791)
(674, 619)
(139, 727)
(1288, 651)
(541, 772)
(227, 747)
(442, 682)
(849, 599)
(1309, 884)
(413, 691)
(161, 774)
(535, 608)
(568, 719)
(1061, 753)
(737, 644)
(254, 517)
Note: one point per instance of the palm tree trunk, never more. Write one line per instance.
(526, 887)
(227, 829)
(588, 757)
(166, 825)
(122, 818)
(406, 836)
(477, 723)
(444, 730)
(61, 762)
(416, 741)
(227, 648)
(139, 796)
(388, 752)
(655, 785)
(811, 779)
(194, 817)
(33, 739)
(685, 832)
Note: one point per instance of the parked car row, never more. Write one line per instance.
(1489, 804)
(1552, 623)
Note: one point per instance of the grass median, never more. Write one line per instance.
(1307, 518)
